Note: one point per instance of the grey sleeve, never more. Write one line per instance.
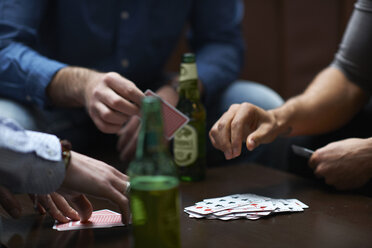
(28, 173)
(354, 56)
(30, 162)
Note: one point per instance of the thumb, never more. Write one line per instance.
(262, 135)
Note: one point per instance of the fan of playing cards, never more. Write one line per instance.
(248, 206)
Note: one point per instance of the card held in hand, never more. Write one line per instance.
(173, 118)
(104, 218)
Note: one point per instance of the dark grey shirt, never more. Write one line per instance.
(354, 56)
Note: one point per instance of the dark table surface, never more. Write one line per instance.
(334, 219)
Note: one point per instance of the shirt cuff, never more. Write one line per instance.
(40, 75)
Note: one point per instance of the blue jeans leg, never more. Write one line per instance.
(20, 113)
(247, 91)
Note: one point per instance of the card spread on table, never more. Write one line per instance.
(172, 117)
(100, 219)
(248, 206)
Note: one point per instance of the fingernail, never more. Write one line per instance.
(15, 213)
(228, 155)
(252, 144)
(236, 152)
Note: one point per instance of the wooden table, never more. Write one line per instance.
(334, 219)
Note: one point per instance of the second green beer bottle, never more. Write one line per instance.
(154, 184)
(189, 145)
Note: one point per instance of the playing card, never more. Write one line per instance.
(204, 210)
(252, 207)
(100, 219)
(213, 205)
(247, 206)
(298, 203)
(302, 151)
(173, 118)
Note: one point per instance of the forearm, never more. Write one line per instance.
(329, 102)
(68, 86)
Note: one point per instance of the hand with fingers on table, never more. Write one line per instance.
(93, 177)
(243, 123)
(38, 163)
(84, 175)
(63, 206)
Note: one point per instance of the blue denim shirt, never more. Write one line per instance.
(132, 37)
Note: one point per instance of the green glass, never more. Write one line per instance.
(189, 144)
(154, 195)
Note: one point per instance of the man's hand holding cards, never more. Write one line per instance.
(100, 219)
(173, 118)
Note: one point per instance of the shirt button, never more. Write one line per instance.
(124, 15)
(124, 63)
(28, 98)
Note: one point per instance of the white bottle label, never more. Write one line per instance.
(188, 72)
(185, 147)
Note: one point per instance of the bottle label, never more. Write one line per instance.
(188, 72)
(185, 146)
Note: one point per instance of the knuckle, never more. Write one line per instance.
(110, 76)
(116, 103)
(246, 105)
(106, 115)
(96, 93)
(212, 132)
(221, 125)
(233, 106)
(235, 125)
(130, 90)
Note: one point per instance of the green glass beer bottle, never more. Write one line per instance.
(189, 145)
(154, 196)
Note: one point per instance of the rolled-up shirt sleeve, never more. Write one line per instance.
(30, 162)
(354, 56)
(217, 40)
(24, 72)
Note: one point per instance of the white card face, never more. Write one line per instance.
(247, 206)
(205, 210)
(298, 203)
(253, 207)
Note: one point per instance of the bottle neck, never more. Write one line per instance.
(151, 138)
(188, 86)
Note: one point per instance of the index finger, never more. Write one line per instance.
(221, 134)
(125, 88)
(241, 127)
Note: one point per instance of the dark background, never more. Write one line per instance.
(287, 41)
